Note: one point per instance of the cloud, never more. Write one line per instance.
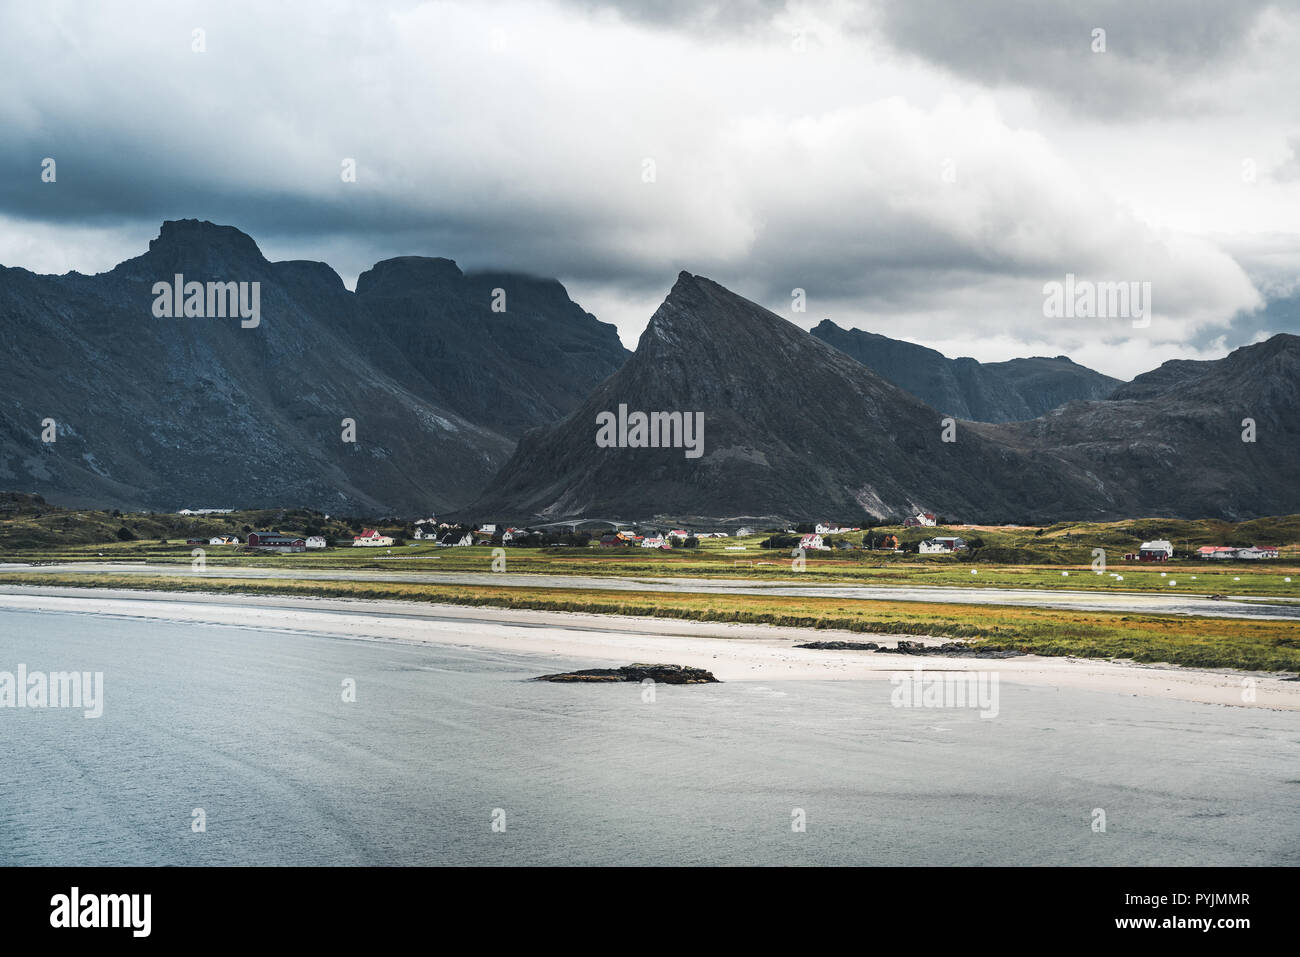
(1156, 56)
(613, 149)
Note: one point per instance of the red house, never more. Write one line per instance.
(273, 542)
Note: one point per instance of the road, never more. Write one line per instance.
(1122, 602)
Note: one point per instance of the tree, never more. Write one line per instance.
(124, 534)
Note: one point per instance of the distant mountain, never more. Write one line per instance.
(1169, 375)
(983, 392)
(159, 413)
(1172, 441)
(795, 429)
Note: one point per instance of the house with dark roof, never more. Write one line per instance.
(275, 542)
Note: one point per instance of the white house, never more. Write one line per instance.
(812, 543)
(315, 541)
(1159, 550)
(932, 546)
(223, 540)
(927, 519)
(679, 533)
(654, 541)
(488, 529)
(370, 537)
(1256, 552)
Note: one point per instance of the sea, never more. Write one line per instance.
(221, 745)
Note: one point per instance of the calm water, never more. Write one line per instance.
(250, 726)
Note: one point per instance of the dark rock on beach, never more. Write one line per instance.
(841, 645)
(664, 674)
(951, 649)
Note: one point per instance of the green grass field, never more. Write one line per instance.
(711, 560)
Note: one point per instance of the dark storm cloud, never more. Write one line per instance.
(513, 136)
(1155, 50)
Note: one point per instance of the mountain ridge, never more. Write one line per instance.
(1008, 391)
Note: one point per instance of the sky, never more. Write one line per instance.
(916, 168)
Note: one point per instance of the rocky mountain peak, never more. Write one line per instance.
(404, 274)
(199, 250)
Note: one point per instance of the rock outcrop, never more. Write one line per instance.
(663, 674)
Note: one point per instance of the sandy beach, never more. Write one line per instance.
(732, 652)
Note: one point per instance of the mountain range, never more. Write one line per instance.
(160, 413)
(430, 389)
(796, 429)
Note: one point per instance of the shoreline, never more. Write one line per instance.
(733, 652)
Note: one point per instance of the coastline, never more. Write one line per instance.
(733, 652)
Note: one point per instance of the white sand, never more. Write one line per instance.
(731, 652)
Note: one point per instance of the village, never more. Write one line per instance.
(809, 537)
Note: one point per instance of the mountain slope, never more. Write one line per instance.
(984, 392)
(162, 412)
(510, 370)
(792, 428)
(1171, 443)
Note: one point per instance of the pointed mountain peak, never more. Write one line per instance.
(700, 310)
